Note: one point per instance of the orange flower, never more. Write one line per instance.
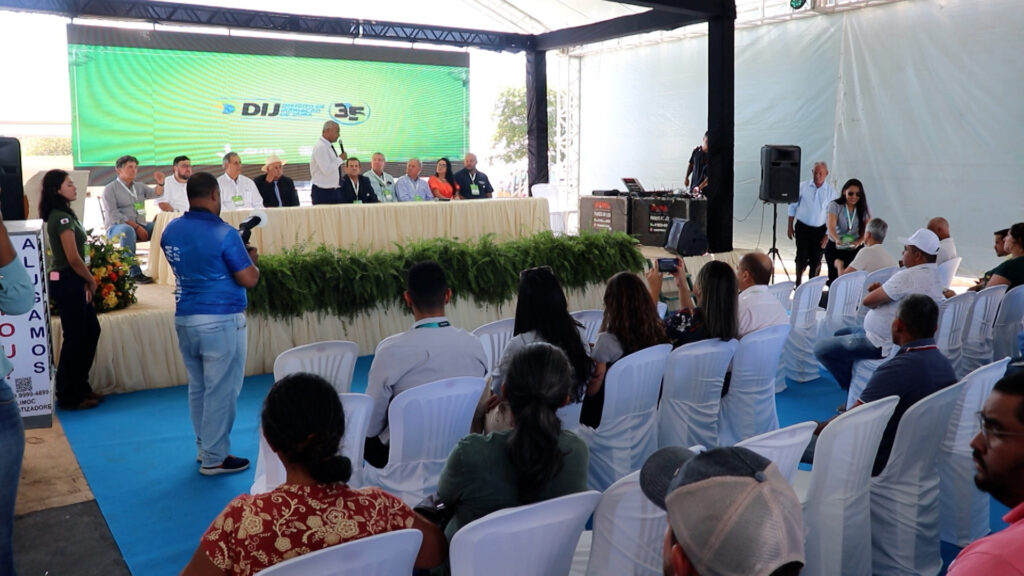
(113, 276)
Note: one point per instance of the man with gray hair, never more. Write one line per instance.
(807, 220)
(325, 166)
(237, 191)
(124, 208)
(410, 187)
(872, 256)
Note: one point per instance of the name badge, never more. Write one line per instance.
(357, 201)
(237, 199)
(474, 189)
(387, 194)
(140, 208)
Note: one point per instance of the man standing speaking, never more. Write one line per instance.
(212, 269)
(324, 166)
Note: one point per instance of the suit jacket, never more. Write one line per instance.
(285, 185)
(366, 193)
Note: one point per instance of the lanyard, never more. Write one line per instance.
(131, 190)
(442, 324)
(919, 348)
(380, 179)
(850, 218)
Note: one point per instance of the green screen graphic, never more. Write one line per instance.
(156, 104)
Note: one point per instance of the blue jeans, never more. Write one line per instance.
(129, 239)
(213, 347)
(839, 353)
(12, 448)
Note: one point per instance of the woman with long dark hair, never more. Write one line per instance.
(848, 218)
(442, 183)
(715, 314)
(303, 422)
(72, 287)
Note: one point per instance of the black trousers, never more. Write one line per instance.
(832, 253)
(808, 249)
(375, 452)
(81, 333)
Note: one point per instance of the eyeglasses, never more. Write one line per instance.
(853, 193)
(985, 426)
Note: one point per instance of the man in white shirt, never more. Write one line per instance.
(325, 166)
(947, 249)
(920, 276)
(807, 219)
(758, 308)
(872, 256)
(383, 183)
(237, 191)
(409, 187)
(175, 197)
(431, 350)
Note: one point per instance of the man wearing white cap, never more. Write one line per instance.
(920, 275)
(730, 513)
(275, 188)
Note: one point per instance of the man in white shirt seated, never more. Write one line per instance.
(947, 250)
(175, 197)
(872, 256)
(758, 308)
(382, 182)
(237, 191)
(431, 350)
(873, 341)
(409, 187)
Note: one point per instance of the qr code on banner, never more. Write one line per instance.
(23, 385)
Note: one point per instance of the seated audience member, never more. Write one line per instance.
(237, 191)
(354, 186)
(442, 183)
(916, 371)
(848, 217)
(276, 189)
(1000, 248)
(714, 316)
(730, 511)
(757, 307)
(920, 276)
(471, 184)
(124, 209)
(542, 315)
(873, 255)
(947, 249)
(630, 324)
(533, 461)
(382, 182)
(303, 422)
(175, 198)
(1011, 272)
(409, 187)
(431, 350)
(999, 461)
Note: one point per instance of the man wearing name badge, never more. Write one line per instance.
(276, 189)
(409, 187)
(325, 166)
(175, 198)
(237, 191)
(382, 182)
(356, 187)
(471, 184)
(124, 209)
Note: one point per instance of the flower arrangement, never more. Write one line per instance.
(109, 263)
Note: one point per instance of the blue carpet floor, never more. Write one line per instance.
(137, 452)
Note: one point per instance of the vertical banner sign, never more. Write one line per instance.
(26, 338)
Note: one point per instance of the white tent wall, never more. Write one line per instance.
(918, 99)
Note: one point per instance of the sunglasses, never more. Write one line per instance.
(853, 193)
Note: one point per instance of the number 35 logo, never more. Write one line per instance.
(350, 114)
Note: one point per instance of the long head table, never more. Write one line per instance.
(376, 227)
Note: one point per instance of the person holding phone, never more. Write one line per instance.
(716, 295)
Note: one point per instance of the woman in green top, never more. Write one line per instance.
(1011, 272)
(72, 287)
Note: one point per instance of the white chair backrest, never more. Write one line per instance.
(334, 360)
(837, 501)
(534, 539)
(963, 509)
(863, 370)
(495, 336)
(270, 472)
(749, 407)
(905, 495)
(784, 292)
(880, 276)
(692, 393)
(387, 554)
(805, 303)
(628, 532)
(947, 270)
(1009, 323)
(628, 431)
(425, 422)
(662, 309)
(556, 205)
(570, 416)
(798, 362)
(952, 319)
(784, 446)
(977, 340)
(591, 320)
(844, 297)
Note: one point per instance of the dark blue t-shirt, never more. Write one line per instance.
(205, 252)
(464, 183)
(916, 371)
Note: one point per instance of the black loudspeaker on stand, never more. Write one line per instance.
(13, 191)
(780, 184)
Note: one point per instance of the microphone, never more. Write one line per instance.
(256, 219)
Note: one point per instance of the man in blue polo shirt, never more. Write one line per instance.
(212, 269)
(470, 184)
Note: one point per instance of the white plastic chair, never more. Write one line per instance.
(692, 393)
(835, 493)
(952, 319)
(784, 292)
(947, 270)
(570, 416)
(784, 446)
(628, 432)
(426, 422)
(591, 320)
(798, 362)
(270, 472)
(333, 360)
(628, 532)
(388, 554)
(905, 495)
(1009, 323)
(534, 539)
(495, 336)
(662, 309)
(749, 407)
(880, 276)
(977, 340)
(844, 297)
(963, 509)
(558, 209)
(863, 370)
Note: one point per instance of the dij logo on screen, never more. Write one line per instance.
(344, 113)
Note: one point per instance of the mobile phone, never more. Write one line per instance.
(667, 265)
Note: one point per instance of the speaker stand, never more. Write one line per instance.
(774, 251)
